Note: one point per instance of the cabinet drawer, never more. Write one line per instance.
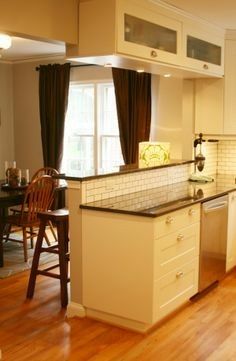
(175, 249)
(173, 221)
(175, 288)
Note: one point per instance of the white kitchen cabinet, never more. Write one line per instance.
(136, 270)
(215, 99)
(145, 33)
(203, 48)
(230, 88)
(231, 238)
(133, 28)
(209, 106)
(141, 34)
(176, 259)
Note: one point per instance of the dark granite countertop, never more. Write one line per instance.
(83, 175)
(161, 200)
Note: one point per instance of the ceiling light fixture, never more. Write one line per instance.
(167, 75)
(140, 70)
(5, 41)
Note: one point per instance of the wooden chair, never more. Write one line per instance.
(38, 198)
(45, 171)
(52, 172)
(39, 173)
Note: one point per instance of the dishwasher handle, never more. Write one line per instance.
(215, 207)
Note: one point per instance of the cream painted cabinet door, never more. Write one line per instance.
(145, 32)
(230, 88)
(203, 48)
(209, 106)
(231, 239)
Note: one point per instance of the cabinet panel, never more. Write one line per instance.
(209, 106)
(230, 88)
(231, 239)
(148, 34)
(176, 249)
(173, 221)
(203, 50)
(175, 288)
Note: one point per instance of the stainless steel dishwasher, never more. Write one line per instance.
(213, 241)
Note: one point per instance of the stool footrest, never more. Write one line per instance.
(48, 274)
(50, 250)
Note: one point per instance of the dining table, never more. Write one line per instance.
(8, 197)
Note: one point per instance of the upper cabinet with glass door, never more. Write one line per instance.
(203, 49)
(146, 33)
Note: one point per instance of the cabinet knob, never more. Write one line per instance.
(205, 66)
(169, 220)
(153, 53)
(179, 274)
(180, 237)
(191, 212)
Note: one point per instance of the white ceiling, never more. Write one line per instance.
(218, 12)
(26, 49)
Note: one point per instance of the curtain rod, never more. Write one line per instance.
(73, 66)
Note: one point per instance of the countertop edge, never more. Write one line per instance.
(123, 171)
(160, 212)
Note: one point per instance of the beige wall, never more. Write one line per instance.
(43, 19)
(6, 116)
(28, 149)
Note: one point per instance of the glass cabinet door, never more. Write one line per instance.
(203, 50)
(148, 34)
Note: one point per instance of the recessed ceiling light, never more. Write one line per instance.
(140, 70)
(167, 75)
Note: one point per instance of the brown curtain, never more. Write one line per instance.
(133, 100)
(53, 98)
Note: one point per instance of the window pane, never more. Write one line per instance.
(111, 152)
(91, 115)
(80, 114)
(108, 123)
(78, 154)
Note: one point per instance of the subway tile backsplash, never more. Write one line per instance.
(220, 159)
(226, 157)
(114, 186)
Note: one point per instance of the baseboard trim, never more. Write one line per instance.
(118, 321)
(75, 309)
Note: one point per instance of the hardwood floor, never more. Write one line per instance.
(37, 330)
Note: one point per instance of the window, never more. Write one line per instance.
(91, 139)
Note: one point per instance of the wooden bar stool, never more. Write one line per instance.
(59, 218)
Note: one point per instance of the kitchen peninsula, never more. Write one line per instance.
(117, 221)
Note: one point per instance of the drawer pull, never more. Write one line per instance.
(180, 237)
(153, 53)
(191, 212)
(169, 220)
(179, 274)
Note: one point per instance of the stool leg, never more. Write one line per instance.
(25, 244)
(61, 228)
(35, 263)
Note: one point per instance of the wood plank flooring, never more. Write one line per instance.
(37, 330)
